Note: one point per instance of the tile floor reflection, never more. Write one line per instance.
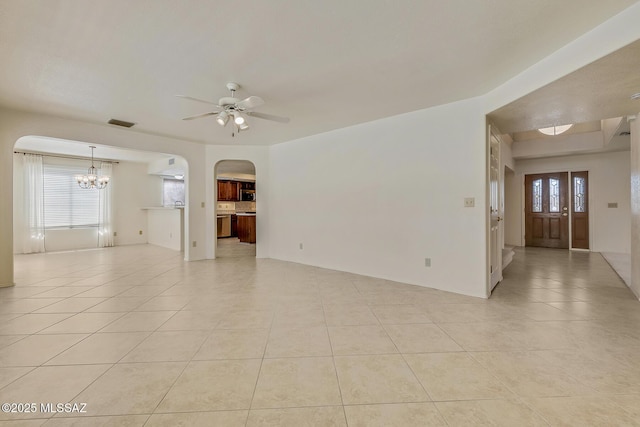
(145, 338)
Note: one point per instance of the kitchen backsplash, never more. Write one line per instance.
(245, 206)
(233, 207)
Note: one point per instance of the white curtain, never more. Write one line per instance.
(105, 212)
(33, 230)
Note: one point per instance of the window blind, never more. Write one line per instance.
(66, 205)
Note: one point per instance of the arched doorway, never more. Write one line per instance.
(236, 212)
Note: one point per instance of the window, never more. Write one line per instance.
(172, 192)
(554, 195)
(537, 195)
(579, 194)
(66, 205)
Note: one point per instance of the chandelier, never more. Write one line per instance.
(91, 179)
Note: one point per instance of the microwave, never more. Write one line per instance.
(247, 195)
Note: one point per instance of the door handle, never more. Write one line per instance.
(499, 219)
(565, 214)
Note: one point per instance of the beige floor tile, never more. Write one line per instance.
(347, 315)
(139, 321)
(82, 323)
(498, 413)
(377, 379)
(192, 320)
(400, 314)
(629, 403)
(169, 346)
(246, 319)
(213, 385)
(455, 376)
(234, 344)
(394, 414)
(118, 304)
(130, 388)
(23, 423)
(327, 416)
(352, 340)
(50, 384)
(26, 305)
(8, 375)
(199, 419)
(293, 382)
(71, 305)
(421, 338)
(30, 323)
(114, 421)
(64, 292)
(305, 315)
(164, 304)
(511, 335)
(529, 374)
(583, 411)
(99, 348)
(104, 291)
(6, 340)
(298, 342)
(35, 350)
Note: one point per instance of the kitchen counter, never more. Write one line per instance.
(246, 214)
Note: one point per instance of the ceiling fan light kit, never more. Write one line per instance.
(230, 106)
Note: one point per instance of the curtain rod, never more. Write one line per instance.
(66, 157)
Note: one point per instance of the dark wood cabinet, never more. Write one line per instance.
(228, 191)
(247, 228)
(247, 185)
(234, 225)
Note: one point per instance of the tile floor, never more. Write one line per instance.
(144, 338)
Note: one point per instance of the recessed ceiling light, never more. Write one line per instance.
(555, 130)
(635, 96)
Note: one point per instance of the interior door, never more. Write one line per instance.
(580, 210)
(546, 210)
(495, 208)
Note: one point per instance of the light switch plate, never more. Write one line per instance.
(469, 202)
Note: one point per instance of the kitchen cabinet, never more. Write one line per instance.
(247, 228)
(234, 225)
(228, 191)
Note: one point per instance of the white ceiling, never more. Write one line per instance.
(600, 90)
(325, 64)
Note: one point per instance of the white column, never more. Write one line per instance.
(635, 206)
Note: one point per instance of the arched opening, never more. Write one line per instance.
(143, 202)
(236, 208)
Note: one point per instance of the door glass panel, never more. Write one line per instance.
(537, 195)
(578, 194)
(554, 195)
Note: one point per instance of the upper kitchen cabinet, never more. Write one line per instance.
(228, 191)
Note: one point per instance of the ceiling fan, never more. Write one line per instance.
(230, 107)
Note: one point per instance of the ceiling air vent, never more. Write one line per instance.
(120, 123)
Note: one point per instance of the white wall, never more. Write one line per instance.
(635, 207)
(378, 198)
(133, 189)
(609, 178)
(165, 227)
(513, 209)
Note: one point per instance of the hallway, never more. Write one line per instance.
(144, 338)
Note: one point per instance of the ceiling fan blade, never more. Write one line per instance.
(250, 102)
(198, 116)
(267, 116)
(198, 99)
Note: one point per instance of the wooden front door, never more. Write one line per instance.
(547, 210)
(580, 210)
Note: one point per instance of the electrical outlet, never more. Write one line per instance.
(427, 262)
(202, 205)
(469, 202)
(194, 244)
(115, 234)
(171, 235)
(140, 232)
(301, 246)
